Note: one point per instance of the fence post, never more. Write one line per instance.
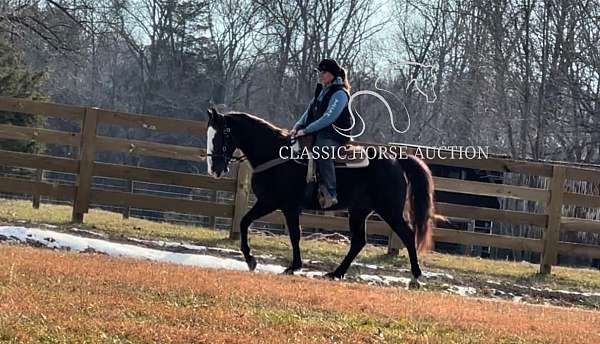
(241, 198)
(39, 176)
(212, 220)
(553, 210)
(468, 247)
(127, 209)
(86, 164)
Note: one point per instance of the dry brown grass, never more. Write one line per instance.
(332, 253)
(53, 296)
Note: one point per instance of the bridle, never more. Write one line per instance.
(227, 141)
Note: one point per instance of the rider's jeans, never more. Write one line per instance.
(326, 167)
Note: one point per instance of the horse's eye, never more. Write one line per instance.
(224, 149)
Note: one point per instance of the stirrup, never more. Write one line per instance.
(325, 198)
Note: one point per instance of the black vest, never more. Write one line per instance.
(318, 108)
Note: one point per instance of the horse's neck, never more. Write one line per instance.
(259, 147)
(260, 154)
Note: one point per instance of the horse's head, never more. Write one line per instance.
(219, 144)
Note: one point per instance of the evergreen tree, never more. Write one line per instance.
(16, 80)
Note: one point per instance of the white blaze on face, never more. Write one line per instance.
(210, 134)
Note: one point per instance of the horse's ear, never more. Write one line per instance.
(210, 114)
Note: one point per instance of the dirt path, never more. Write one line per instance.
(70, 296)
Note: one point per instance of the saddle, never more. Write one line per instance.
(355, 157)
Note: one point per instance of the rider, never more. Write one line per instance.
(328, 107)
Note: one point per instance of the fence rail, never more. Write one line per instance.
(85, 167)
(163, 177)
(152, 122)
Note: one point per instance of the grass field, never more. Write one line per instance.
(328, 252)
(57, 296)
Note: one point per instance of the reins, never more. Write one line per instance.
(238, 159)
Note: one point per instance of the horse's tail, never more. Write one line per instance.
(421, 200)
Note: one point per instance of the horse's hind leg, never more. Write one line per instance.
(358, 240)
(396, 221)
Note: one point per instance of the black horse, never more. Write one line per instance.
(379, 187)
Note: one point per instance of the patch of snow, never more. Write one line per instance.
(170, 244)
(101, 235)
(195, 247)
(68, 241)
(387, 280)
(547, 290)
(397, 279)
(497, 292)
(224, 250)
(429, 274)
(521, 286)
(368, 266)
(310, 273)
(371, 278)
(426, 274)
(568, 292)
(460, 290)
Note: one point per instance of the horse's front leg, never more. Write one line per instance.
(259, 210)
(292, 219)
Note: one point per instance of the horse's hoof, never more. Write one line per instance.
(251, 261)
(332, 276)
(414, 284)
(290, 270)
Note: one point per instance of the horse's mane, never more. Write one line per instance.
(281, 133)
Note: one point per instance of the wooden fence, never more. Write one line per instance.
(85, 167)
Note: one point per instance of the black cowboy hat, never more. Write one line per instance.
(329, 65)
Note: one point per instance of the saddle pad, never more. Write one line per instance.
(352, 150)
